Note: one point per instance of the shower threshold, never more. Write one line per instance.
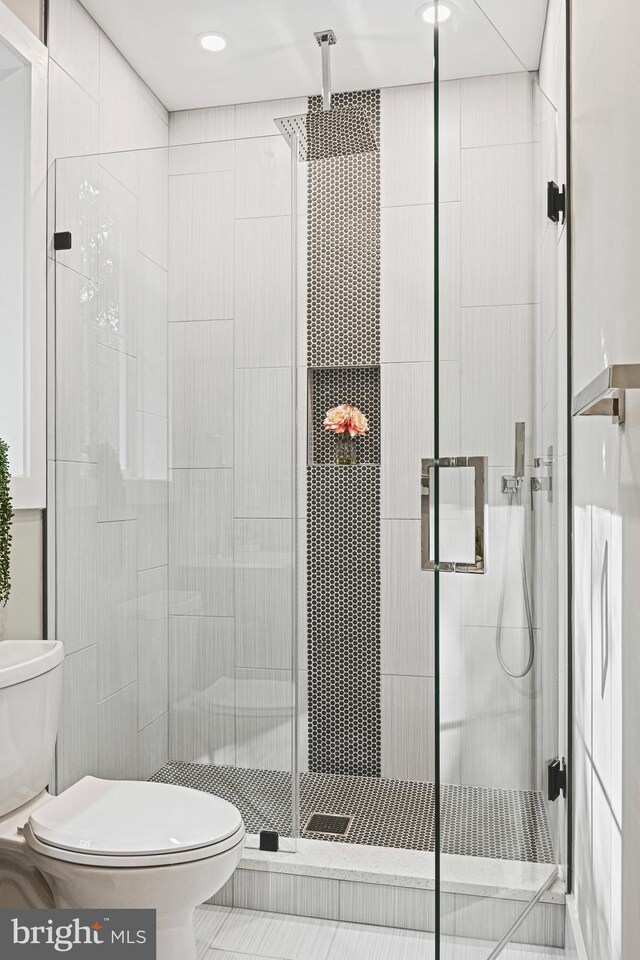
(476, 821)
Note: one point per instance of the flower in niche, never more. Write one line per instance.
(346, 419)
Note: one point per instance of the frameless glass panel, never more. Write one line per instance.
(174, 526)
(499, 397)
(15, 99)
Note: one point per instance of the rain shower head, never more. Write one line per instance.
(338, 132)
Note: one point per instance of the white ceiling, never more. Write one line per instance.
(273, 54)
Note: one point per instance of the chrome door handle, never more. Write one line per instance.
(479, 465)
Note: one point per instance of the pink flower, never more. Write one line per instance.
(346, 419)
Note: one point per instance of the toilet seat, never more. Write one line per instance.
(131, 823)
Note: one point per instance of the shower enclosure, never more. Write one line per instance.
(364, 654)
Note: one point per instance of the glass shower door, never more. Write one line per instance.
(173, 513)
(487, 493)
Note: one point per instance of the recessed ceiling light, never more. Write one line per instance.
(213, 42)
(429, 15)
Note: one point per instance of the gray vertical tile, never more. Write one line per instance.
(407, 144)
(152, 523)
(119, 115)
(74, 41)
(480, 600)
(487, 918)
(202, 417)
(497, 349)
(153, 645)
(201, 542)
(118, 735)
(264, 719)
(406, 320)
(76, 360)
(117, 434)
(201, 690)
(263, 177)
(117, 607)
(403, 907)
(262, 475)
(263, 292)
(406, 601)
(202, 126)
(77, 199)
(153, 747)
(498, 714)
(498, 241)
(407, 728)
(117, 265)
(285, 893)
(153, 204)
(78, 731)
(406, 439)
(201, 247)
(263, 587)
(497, 110)
(73, 117)
(152, 454)
(76, 553)
(152, 337)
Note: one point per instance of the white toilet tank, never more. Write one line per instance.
(30, 688)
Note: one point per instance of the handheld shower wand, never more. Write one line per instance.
(511, 486)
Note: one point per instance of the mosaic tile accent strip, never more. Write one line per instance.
(476, 821)
(343, 247)
(343, 503)
(343, 619)
(359, 386)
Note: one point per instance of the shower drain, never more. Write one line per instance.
(334, 823)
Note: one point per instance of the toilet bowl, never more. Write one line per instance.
(101, 843)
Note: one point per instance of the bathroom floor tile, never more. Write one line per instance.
(361, 942)
(275, 936)
(223, 933)
(476, 821)
(207, 922)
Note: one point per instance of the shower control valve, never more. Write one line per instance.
(511, 484)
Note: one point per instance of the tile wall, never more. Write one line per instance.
(488, 327)
(231, 507)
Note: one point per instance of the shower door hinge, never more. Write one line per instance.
(557, 778)
(556, 202)
(62, 240)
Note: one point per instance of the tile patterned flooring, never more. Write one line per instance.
(477, 821)
(229, 933)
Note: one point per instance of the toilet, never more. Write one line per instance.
(100, 843)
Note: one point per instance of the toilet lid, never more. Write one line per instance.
(125, 817)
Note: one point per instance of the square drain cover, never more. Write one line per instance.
(336, 824)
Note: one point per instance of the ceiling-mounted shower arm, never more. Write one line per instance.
(326, 39)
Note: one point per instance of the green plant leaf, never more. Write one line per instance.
(6, 516)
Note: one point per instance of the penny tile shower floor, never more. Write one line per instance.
(476, 821)
(229, 933)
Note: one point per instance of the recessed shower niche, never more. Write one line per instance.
(330, 386)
